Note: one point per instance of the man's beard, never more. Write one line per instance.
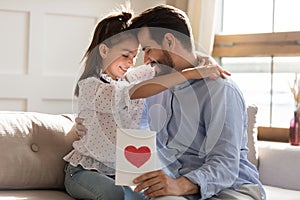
(164, 67)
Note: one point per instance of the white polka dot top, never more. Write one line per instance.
(105, 105)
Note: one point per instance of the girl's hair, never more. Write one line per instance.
(109, 31)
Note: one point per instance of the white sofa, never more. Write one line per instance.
(278, 163)
(32, 146)
(279, 168)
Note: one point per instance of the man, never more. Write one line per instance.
(201, 125)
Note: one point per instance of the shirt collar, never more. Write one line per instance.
(107, 78)
(183, 85)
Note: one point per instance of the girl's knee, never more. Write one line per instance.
(113, 193)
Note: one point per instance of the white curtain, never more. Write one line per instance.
(203, 15)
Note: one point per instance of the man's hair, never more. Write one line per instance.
(164, 19)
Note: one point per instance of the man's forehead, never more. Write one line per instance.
(143, 34)
(145, 38)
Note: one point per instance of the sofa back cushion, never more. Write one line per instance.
(279, 165)
(32, 146)
(252, 135)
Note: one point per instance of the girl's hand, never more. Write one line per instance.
(206, 61)
(204, 71)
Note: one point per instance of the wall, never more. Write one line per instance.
(42, 42)
(139, 6)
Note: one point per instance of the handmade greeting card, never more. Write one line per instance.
(135, 154)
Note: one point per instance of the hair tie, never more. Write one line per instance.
(126, 16)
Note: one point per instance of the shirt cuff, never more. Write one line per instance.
(198, 178)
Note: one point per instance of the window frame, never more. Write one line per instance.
(273, 44)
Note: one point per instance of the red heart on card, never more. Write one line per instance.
(137, 156)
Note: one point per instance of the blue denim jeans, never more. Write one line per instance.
(90, 184)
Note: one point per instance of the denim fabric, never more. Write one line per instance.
(90, 184)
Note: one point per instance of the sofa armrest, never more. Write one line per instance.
(279, 164)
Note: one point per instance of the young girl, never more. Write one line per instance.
(106, 100)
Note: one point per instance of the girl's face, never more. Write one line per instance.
(120, 57)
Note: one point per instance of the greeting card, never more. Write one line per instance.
(135, 154)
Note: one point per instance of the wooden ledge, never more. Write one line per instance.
(261, 44)
(273, 134)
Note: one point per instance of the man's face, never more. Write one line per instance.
(154, 53)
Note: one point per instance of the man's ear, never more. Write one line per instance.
(169, 41)
(103, 50)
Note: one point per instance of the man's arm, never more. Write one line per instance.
(225, 123)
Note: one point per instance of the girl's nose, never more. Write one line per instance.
(131, 61)
(147, 60)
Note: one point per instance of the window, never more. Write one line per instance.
(259, 42)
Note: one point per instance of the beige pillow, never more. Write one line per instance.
(32, 146)
(252, 135)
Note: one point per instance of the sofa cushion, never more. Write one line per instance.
(276, 193)
(279, 164)
(32, 146)
(252, 135)
(34, 195)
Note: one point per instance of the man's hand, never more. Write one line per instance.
(158, 183)
(80, 128)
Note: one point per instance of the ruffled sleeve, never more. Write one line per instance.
(127, 112)
(95, 95)
(110, 98)
(140, 73)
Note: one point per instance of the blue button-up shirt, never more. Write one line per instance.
(201, 130)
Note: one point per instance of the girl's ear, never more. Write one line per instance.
(169, 41)
(103, 50)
